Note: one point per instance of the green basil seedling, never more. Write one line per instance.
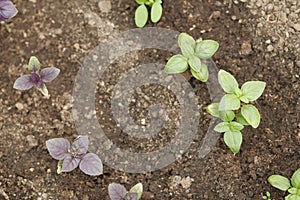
(267, 196)
(284, 184)
(193, 54)
(235, 109)
(141, 13)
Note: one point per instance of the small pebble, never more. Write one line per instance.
(19, 106)
(105, 6)
(270, 48)
(31, 140)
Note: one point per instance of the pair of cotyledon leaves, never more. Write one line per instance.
(249, 115)
(192, 55)
(7, 10)
(117, 191)
(75, 155)
(141, 13)
(38, 77)
(284, 184)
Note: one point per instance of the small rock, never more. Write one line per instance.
(186, 182)
(246, 48)
(19, 106)
(296, 27)
(270, 48)
(105, 6)
(143, 121)
(31, 140)
(77, 46)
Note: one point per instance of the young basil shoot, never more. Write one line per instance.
(36, 79)
(193, 54)
(235, 109)
(267, 196)
(141, 13)
(117, 191)
(284, 184)
(72, 156)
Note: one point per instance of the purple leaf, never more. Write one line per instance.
(36, 80)
(116, 191)
(70, 163)
(49, 74)
(58, 148)
(91, 165)
(23, 82)
(80, 145)
(131, 196)
(7, 10)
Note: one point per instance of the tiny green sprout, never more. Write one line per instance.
(141, 13)
(235, 108)
(284, 184)
(193, 54)
(267, 196)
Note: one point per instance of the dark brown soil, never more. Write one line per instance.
(59, 35)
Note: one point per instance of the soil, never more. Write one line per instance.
(259, 40)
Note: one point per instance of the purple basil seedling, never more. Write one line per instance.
(117, 191)
(70, 156)
(36, 79)
(7, 10)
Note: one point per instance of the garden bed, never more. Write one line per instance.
(63, 33)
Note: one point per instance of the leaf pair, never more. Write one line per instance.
(192, 53)
(72, 156)
(284, 184)
(141, 13)
(118, 192)
(36, 79)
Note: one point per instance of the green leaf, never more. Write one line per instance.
(244, 99)
(213, 109)
(222, 127)
(195, 63)
(203, 74)
(233, 139)
(59, 167)
(279, 182)
(141, 16)
(251, 115)
(294, 191)
(156, 12)
(205, 49)
(34, 63)
(141, 1)
(252, 90)
(44, 90)
(229, 102)
(238, 92)
(227, 81)
(138, 188)
(296, 179)
(235, 126)
(186, 44)
(176, 64)
(292, 197)
(240, 119)
(227, 115)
